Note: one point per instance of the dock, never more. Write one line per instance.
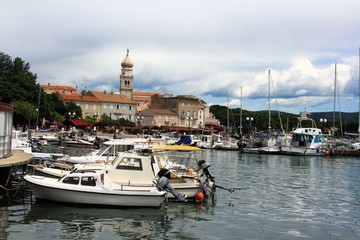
(16, 159)
(11, 164)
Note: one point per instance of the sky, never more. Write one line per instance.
(218, 51)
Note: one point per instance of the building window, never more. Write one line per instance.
(86, 106)
(94, 107)
(130, 108)
(117, 106)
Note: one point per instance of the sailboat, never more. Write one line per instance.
(354, 148)
(229, 143)
(271, 144)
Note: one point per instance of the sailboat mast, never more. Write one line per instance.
(334, 103)
(359, 98)
(241, 111)
(269, 72)
(228, 121)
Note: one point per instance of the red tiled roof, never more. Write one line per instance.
(112, 97)
(78, 97)
(143, 94)
(6, 107)
(162, 111)
(57, 87)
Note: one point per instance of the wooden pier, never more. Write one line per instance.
(8, 164)
(17, 158)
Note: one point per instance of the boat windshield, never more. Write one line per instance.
(102, 150)
(112, 150)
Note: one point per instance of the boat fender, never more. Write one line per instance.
(164, 183)
(199, 196)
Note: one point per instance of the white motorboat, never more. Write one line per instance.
(182, 178)
(109, 149)
(210, 141)
(305, 140)
(18, 143)
(132, 185)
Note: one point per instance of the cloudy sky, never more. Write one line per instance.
(215, 50)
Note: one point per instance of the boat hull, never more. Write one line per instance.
(301, 151)
(50, 189)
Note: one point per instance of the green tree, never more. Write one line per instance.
(27, 110)
(90, 120)
(71, 107)
(17, 83)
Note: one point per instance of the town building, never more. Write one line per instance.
(115, 105)
(190, 109)
(143, 100)
(157, 117)
(90, 105)
(49, 89)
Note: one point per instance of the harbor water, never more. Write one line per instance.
(275, 197)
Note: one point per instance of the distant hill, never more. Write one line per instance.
(346, 117)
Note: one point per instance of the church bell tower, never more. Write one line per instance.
(127, 77)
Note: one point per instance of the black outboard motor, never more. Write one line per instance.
(209, 187)
(164, 183)
(203, 165)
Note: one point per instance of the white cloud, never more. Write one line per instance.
(206, 48)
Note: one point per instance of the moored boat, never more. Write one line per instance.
(308, 141)
(94, 187)
(109, 149)
(185, 180)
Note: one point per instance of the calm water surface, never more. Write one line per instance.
(277, 197)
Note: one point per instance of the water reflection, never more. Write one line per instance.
(89, 223)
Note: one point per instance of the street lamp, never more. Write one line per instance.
(71, 114)
(37, 120)
(139, 119)
(323, 120)
(250, 119)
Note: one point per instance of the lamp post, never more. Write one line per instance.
(72, 114)
(250, 119)
(323, 120)
(139, 119)
(37, 120)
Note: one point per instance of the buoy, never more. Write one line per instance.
(199, 196)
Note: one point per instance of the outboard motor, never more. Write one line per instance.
(164, 183)
(203, 165)
(209, 181)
